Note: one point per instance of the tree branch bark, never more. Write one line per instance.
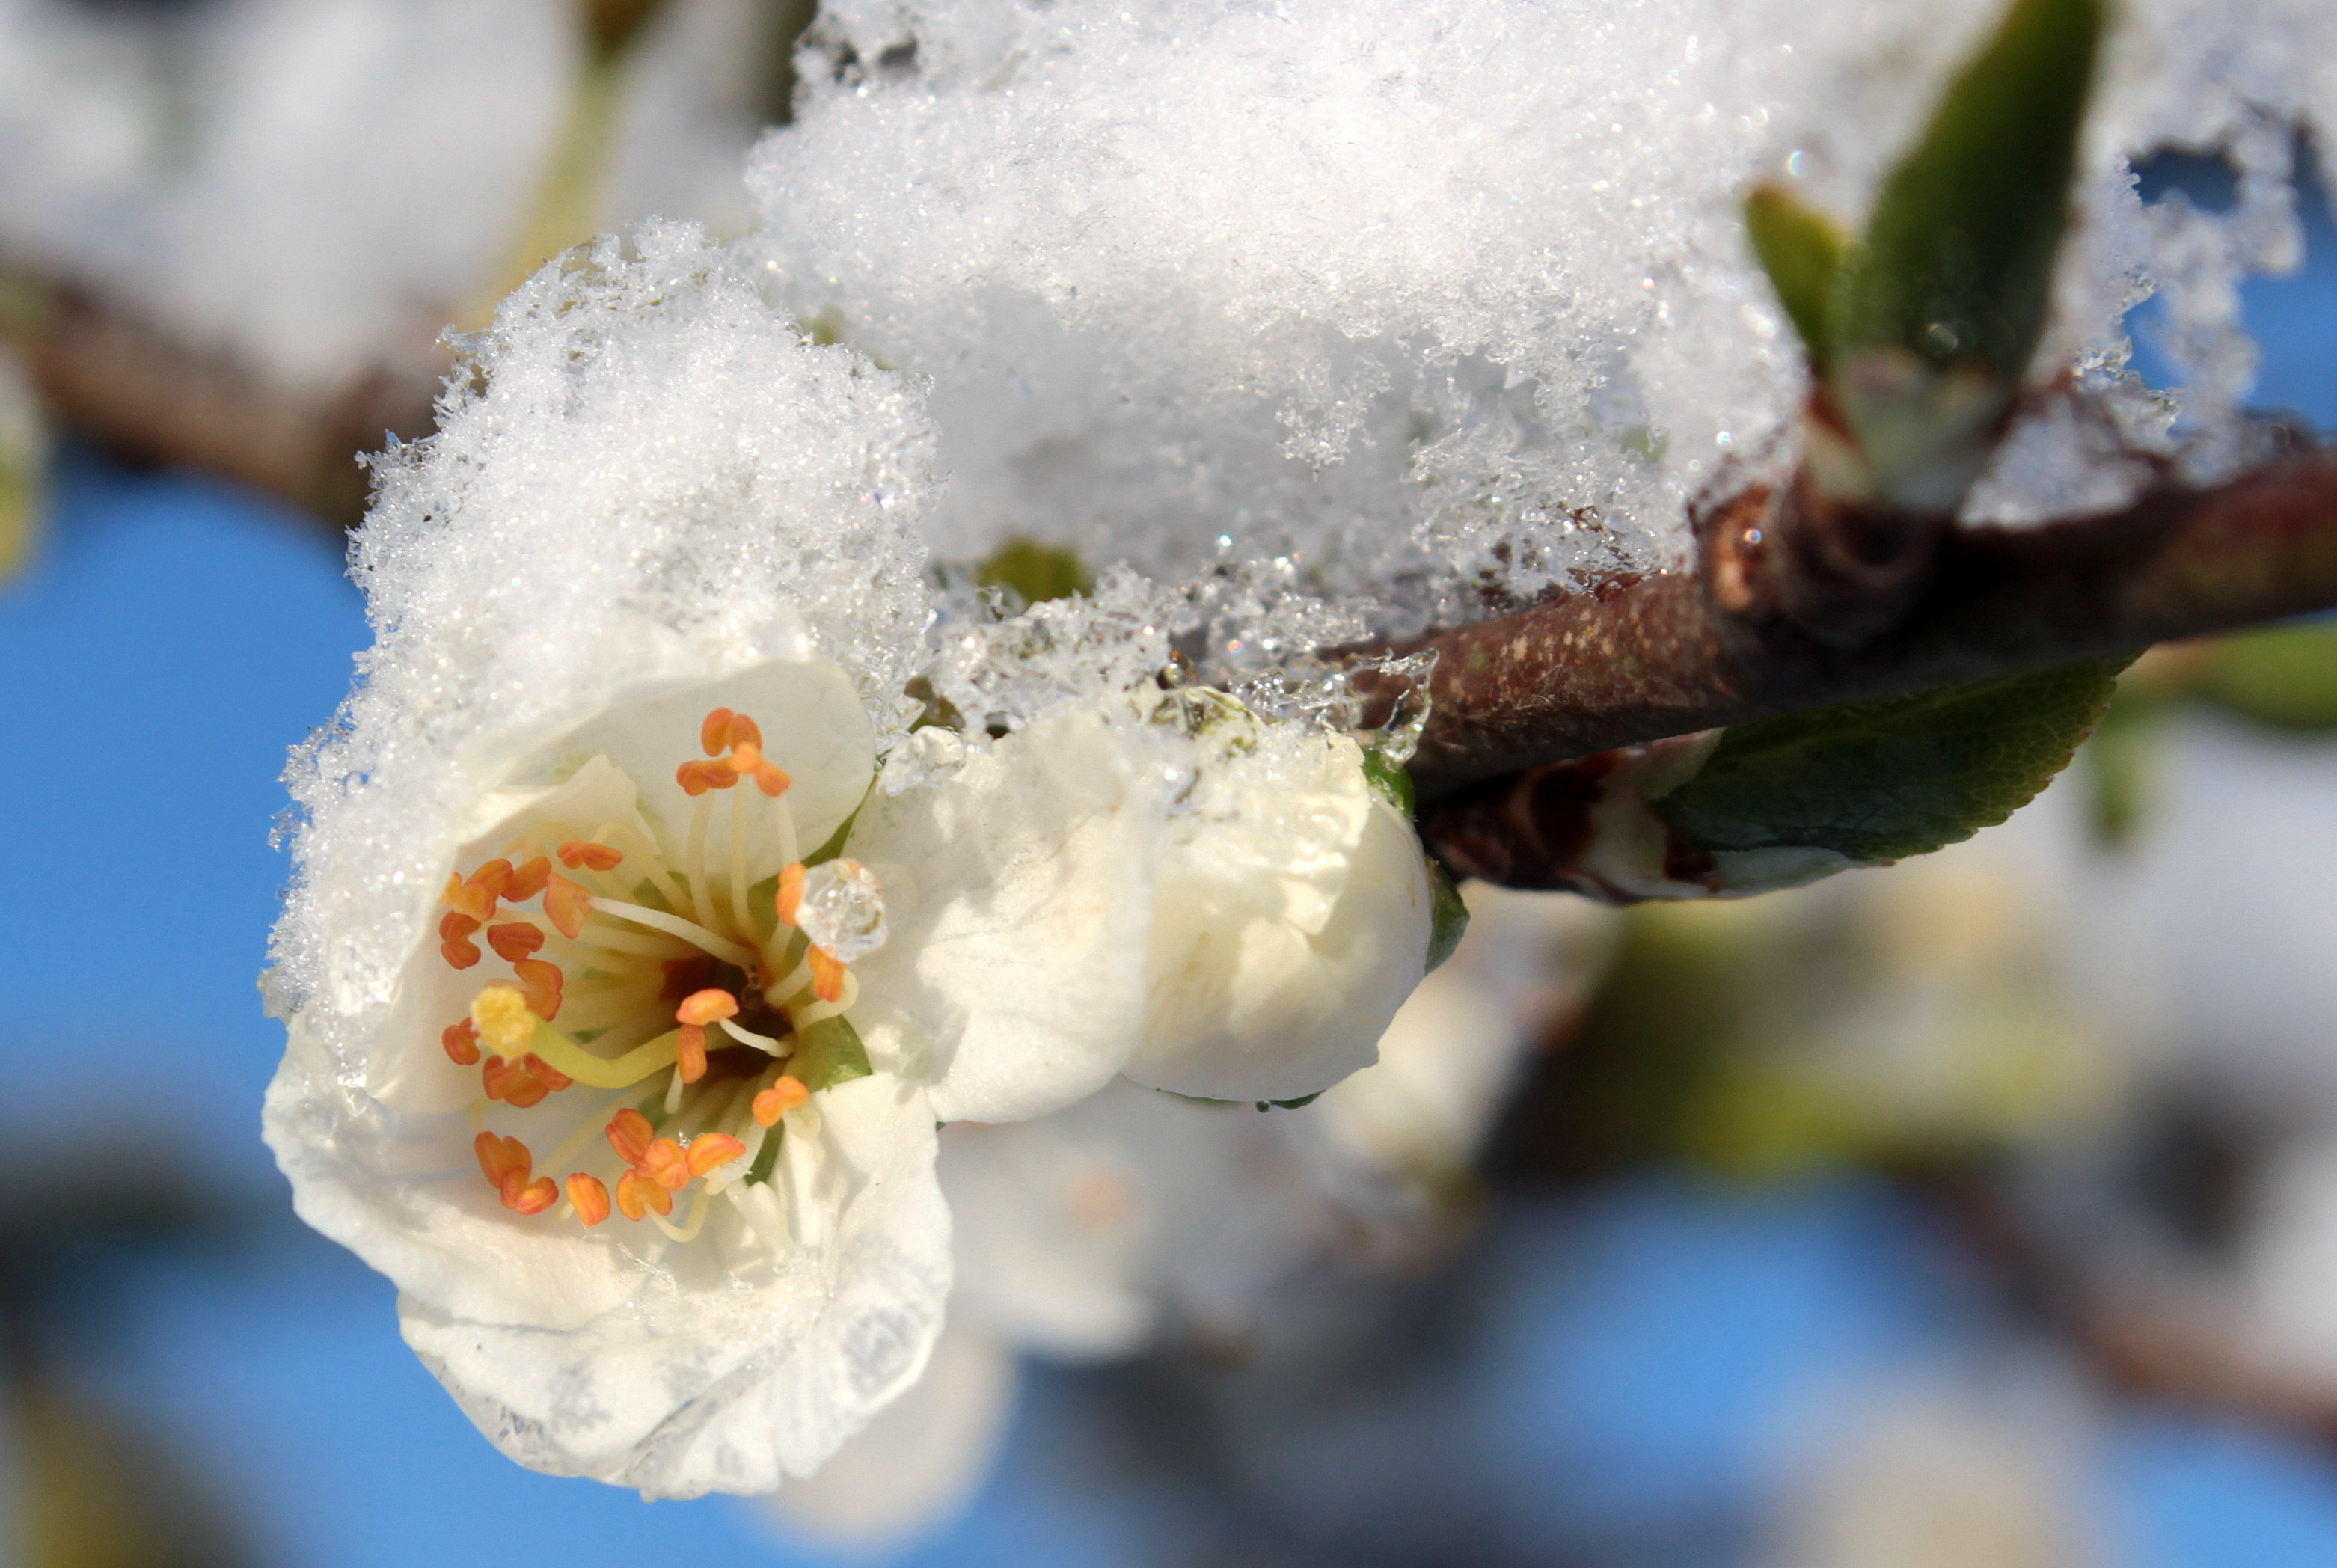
(1640, 660)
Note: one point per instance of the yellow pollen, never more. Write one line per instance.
(502, 1017)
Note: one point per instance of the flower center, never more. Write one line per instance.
(647, 965)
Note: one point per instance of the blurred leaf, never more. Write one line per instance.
(1037, 572)
(2116, 765)
(1804, 252)
(610, 26)
(24, 466)
(89, 1494)
(1886, 780)
(1958, 258)
(2285, 677)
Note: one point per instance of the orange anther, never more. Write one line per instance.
(743, 732)
(715, 733)
(592, 1199)
(462, 1042)
(780, 1098)
(790, 894)
(527, 881)
(696, 778)
(460, 952)
(521, 1196)
(521, 1084)
(629, 1134)
(826, 974)
(709, 1150)
(550, 1077)
(453, 925)
(773, 780)
(499, 1157)
(706, 1006)
(539, 983)
(636, 1194)
(592, 857)
(666, 1165)
(564, 903)
(475, 896)
(689, 1052)
(514, 939)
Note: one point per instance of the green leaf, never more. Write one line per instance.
(827, 1054)
(1804, 252)
(1958, 260)
(1886, 780)
(1037, 572)
(1392, 781)
(1448, 916)
(2285, 677)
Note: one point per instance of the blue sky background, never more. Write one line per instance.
(1624, 1376)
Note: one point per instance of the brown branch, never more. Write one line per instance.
(148, 396)
(1642, 659)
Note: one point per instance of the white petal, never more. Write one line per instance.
(726, 1373)
(920, 1462)
(1248, 1005)
(1019, 890)
(812, 725)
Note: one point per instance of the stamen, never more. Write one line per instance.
(475, 894)
(454, 944)
(513, 940)
(528, 880)
(688, 1232)
(714, 733)
(590, 856)
(706, 1006)
(565, 902)
(521, 1196)
(740, 806)
(590, 1198)
(629, 1134)
(697, 866)
(791, 891)
(539, 984)
(498, 1156)
(665, 1165)
(743, 733)
(827, 974)
(676, 926)
(689, 1053)
(749, 1037)
(773, 780)
(462, 1043)
(696, 778)
(780, 1098)
(636, 1195)
(711, 1150)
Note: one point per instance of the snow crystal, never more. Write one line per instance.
(644, 470)
(843, 910)
(1445, 301)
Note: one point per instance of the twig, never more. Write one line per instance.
(1642, 659)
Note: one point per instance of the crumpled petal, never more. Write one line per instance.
(1019, 890)
(738, 1380)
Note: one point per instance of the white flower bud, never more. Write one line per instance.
(1291, 921)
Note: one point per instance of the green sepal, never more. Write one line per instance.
(827, 1054)
(934, 710)
(1298, 1104)
(1037, 572)
(1804, 253)
(834, 845)
(1958, 260)
(1448, 916)
(768, 1156)
(1392, 781)
(1878, 781)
